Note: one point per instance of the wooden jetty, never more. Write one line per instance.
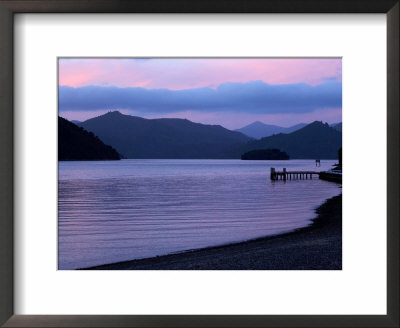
(332, 175)
(292, 175)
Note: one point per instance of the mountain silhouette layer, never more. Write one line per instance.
(136, 137)
(74, 143)
(315, 141)
(337, 126)
(259, 130)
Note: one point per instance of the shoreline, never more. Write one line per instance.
(315, 247)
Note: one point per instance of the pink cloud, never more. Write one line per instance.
(181, 73)
(193, 73)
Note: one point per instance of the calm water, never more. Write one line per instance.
(121, 210)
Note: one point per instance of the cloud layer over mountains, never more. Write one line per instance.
(250, 97)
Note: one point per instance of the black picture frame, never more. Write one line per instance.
(10, 7)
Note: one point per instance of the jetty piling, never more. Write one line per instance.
(291, 175)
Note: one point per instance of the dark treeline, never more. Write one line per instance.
(265, 154)
(75, 143)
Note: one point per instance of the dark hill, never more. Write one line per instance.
(136, 137)
(74, 143)
(315, 141)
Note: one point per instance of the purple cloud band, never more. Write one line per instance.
(251, 97)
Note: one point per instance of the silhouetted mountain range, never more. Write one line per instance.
(259, 130)
(136, 137)
(74, 143)
(315, 141)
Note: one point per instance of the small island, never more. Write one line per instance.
(265, 154)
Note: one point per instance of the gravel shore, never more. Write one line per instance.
(316, 247)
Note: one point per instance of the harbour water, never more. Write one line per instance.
(112, 211)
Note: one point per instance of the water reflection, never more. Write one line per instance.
(116, 211)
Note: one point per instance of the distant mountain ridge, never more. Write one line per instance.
(74, 144)
(259, 130)
(337, 126)
(315, 141)
(136, 137)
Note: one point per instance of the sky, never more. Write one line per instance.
(232, 92)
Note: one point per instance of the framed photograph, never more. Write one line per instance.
(207, 164)
(148, 172)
